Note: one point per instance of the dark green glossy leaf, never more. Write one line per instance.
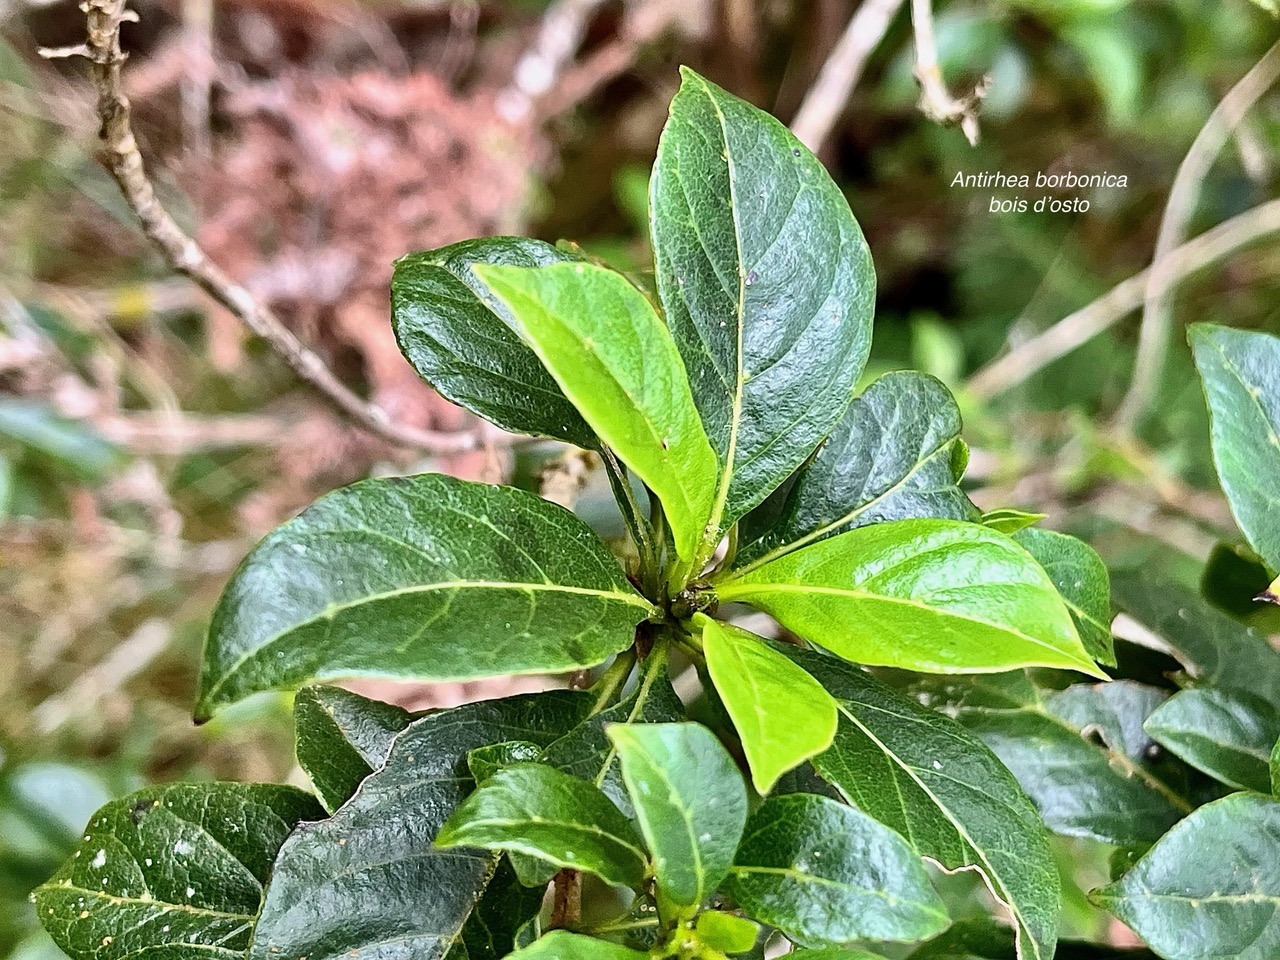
(1084, 759)
(725, 932)
(422, 577)
(782, 715)
(586, 752)
(767, 284)
(690, 801)
(484, 762)
(355, 882)
(341, 738)
(932, 595)
(1081, 578)
(613, 357)
(492, 930)
(462, 341)
(824, 873)
(176, 871)
(1211, 888)
(562, 945)
(1241, 376)
(1215, 649)
(536, 810)
(937, 784)
(1228, 734)
(891, 457)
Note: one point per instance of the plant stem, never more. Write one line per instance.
(612, 680)
(566, 904)
(639, 527)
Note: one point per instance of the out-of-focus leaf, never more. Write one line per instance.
(563, 945)
(71, 443)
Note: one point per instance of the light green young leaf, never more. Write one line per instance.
(1081, 578)
(536, 810)
(783, 716)
(936, 596)
(613, 357)
(1211, 887)
(894, 455)
(318, 903)
(725, 932)
(341, 738)
(1275, 769)
(1009, 521)
(176, 870)
(1241, 376)
(925, 776)
(563, 945)
(767, 286)
(422, 577)
(690, 801)
(1228, 734)
(824, 873)
(462, 341)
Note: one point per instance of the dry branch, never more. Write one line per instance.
(936, 101)
(1086, 323)
(841, 72)
(184, 255)
(1153, 338)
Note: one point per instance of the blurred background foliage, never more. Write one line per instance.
(145, 443)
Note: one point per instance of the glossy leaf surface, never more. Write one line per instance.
(1211, 888)
(824, 873)
(613, 357)
(422, 577)
(1084, 759)
(1082, 580)
(319, 903)
(175, 871)
(1241, 375)
(690, 802)
(783, 716)
(893, 456)
(462, 341)
(536, 810)
(766, 282)
(939, 786)
(341, 738)
(725, 932)
(1228, 734)
(563, 945)
(930, 595)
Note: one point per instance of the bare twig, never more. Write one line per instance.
(1086, 323)
(1153, 339)
(936, 101)
(185, 255)
(563, 26)
(843, 69)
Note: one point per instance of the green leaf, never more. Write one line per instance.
(1275, 769)
(1215, 649)
(941, 788)
(782, 715)
(177, 870)
(587, 752)
(767, 284)
(1241, 376)
(72, 444)
(1084, 759)
(484, 762)
(725, 932)
(1009, 521)
(612, 356)
(1211, 888)
(355, 882)
(690, 801)
(824, 873)
(494, 927)
(422, 577)
(463, 342)
(562, 945)
(1228, 734)
(834, 953)
(891, 457)
(536, 810)
(341, 738)
(1081, 578)
(932, 595)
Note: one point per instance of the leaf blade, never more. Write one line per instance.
(1227, 734)
(611, 355)
(340, 738)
